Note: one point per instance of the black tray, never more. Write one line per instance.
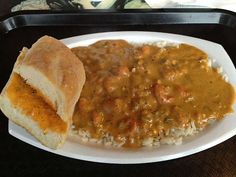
(22, 29)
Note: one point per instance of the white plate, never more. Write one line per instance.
(213, 135)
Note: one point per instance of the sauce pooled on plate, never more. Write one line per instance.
(136, 92)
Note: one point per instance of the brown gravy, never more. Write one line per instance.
(136, 92)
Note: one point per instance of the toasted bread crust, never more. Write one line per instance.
(49, 138)
(55, 64)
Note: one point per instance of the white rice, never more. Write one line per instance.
(160, 44)
(84, 137)
(173, 136)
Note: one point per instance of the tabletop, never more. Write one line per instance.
(20, 159)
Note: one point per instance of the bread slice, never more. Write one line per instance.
(55, 71)
(42, 91)
(39, 119)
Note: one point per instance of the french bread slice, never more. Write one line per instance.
(51, 68)
(40, 120)
(42, 90)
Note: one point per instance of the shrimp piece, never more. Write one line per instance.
(162, 94)
(97, 118)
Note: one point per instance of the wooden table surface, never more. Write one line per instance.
(20, 159)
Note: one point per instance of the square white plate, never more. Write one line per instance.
(213, 135)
